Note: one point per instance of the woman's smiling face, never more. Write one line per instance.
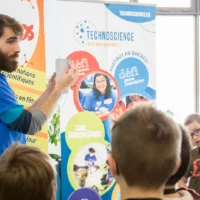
(101, 84)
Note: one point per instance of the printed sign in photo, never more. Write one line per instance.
(115, 56)
(91, 168)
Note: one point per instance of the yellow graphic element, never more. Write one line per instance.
(39, 142)
(103, 44)
(44, 128)
(25, 98)
(28, 77)
(29, 80)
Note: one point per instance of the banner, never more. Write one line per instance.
(29, 80)
(113, 47)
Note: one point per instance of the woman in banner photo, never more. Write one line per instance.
(101, 98)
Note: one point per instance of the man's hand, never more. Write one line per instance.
(51, 83)
(68, 76)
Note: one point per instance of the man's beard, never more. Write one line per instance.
(6, 64)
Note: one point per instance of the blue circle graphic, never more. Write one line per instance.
(132, 76)
(84, 194)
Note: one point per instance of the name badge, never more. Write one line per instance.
(108, 101)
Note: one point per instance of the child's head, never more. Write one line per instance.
(91, 151)
(185, 158)
(145, 147)
(76, 168)
(26, 173)
(192, 122)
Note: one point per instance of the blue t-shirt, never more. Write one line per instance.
(81, 98)
(90, 159)
(7, 102)
(100, 104)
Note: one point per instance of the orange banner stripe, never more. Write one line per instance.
(38, 58)
(42, 135)
(13, 85)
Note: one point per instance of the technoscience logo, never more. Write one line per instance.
(85, 32)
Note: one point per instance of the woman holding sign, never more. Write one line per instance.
(101, 99)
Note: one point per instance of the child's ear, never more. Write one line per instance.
(178, 164)
(112, 164)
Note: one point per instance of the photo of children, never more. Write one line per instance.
(98, 94)
(90, 159)
(125, 104)
(91, 168)
(131, 100)
(118, 111)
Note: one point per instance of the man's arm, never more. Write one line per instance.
(24, 121)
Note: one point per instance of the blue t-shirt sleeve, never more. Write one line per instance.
(17, 118)
(88, 102)
(86, 158)
(7, 96)
(81, 97)
(12, 114)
